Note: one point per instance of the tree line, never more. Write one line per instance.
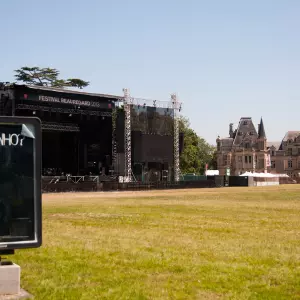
(196, 154)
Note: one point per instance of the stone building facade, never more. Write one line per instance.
(244, 150)
(285, 156)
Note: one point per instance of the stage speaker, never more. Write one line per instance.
(120, 131)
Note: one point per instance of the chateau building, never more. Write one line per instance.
(244, 150)
(285, 156)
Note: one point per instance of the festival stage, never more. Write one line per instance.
(91, 139)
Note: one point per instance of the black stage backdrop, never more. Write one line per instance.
(152, 147)
(120, 130)
(152, 134)
(152, 120)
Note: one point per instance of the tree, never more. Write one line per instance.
(47, 77)
(196, 151)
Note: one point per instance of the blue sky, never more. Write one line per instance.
(225, 59)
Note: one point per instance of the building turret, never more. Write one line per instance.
(218, 140)
(262, 138)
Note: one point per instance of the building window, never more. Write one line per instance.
(289, 151)
(272, 153)
(290, 163)
(225, 160)
(246, 159)
(247, 145)
(250, 159)
(298, 151)
(272, 164)
(240, 158)
(218, 146)
(245, 123)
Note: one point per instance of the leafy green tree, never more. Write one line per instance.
(196, 151)
(47, 77)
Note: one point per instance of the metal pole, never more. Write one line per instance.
(176, 106)
(127, 133)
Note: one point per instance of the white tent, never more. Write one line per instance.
(254, 174)
(212, 172)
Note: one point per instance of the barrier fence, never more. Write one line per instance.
(68, 186)
(90, 184)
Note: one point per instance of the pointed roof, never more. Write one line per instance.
(245, 130)
(290, 135)
(261, 130)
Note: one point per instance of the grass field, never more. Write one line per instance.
(230, 243)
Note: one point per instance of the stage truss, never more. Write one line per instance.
(114, 139)
(62, 127)
(128, 101)
(177, 108)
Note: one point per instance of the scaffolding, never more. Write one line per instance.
(177, 108)
(128, 101)
(127, 135)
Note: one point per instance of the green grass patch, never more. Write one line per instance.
(229, 243)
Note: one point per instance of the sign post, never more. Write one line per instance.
(20, 194)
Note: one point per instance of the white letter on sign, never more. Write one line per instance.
(13, 137)
(3, 139)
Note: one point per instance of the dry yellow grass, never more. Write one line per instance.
(230, 243)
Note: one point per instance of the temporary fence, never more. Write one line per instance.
(131, 186)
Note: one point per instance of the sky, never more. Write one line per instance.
(224, 59)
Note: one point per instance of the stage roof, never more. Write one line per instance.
(66, 91)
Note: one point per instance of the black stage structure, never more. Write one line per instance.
(98, 138)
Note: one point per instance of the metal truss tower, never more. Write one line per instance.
(177, 108)
(114, 139)
(127, 140)
(128, 102)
